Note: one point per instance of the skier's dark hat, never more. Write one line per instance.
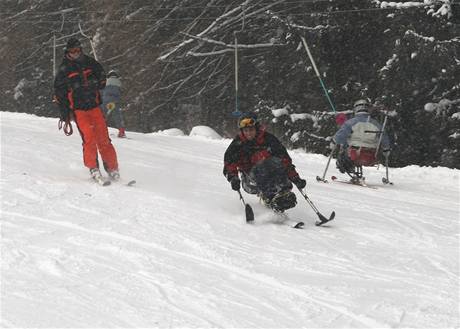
(73, 43)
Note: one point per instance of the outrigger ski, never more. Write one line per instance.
(322, 219)
(325, 220)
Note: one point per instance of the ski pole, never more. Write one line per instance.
(322, 219)
(319, 179)
(247, 208)
(381, 135)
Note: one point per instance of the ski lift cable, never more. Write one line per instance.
(153, 7)
(318, 74)
(118, 21)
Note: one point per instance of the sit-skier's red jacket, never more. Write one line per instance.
(76, 87)
(242, 155)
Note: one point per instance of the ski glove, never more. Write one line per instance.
(386, 153)
(299, 182)
(236, 183)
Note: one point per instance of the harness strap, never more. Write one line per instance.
(66, 126)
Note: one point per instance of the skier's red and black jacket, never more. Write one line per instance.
(78, 82)
(242, 154)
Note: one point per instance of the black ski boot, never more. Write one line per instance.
(283, 201)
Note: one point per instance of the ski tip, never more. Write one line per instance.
(319, 179)
(106, 183)
(324, 220)
(299, 225)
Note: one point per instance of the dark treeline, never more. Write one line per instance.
(177, 63)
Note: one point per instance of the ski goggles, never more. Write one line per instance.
(247, 122)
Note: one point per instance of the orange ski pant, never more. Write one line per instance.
(93, 131)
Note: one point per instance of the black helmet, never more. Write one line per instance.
(361, 105)
(112, 73)
(73, 43)
(248, 120)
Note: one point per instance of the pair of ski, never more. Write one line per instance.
(350, 182)
(106, 181)
(321, 218)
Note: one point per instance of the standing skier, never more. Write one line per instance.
(111, 97)
(77, 92)
(265, 166)
(358, 139)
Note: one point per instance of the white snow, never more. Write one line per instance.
(171, 132)
(300, 116)
(444, 8)
(174, 251)
(430, 107)
(18, 89)
(295, 136)
(204, 131)
(279, 112)
(389, 64)
(440, 107)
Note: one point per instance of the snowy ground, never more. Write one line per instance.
(174, 251)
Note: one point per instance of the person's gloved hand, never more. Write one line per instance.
(236, 183)
(386, 153)
(299, 182)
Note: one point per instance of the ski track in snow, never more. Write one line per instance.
(52, 268)
(174, 251)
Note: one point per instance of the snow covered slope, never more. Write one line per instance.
(174, 251)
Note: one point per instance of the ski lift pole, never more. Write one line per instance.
(317, 74)
(237, 105)
(54, 55)
(90, 40)
(237, 112)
